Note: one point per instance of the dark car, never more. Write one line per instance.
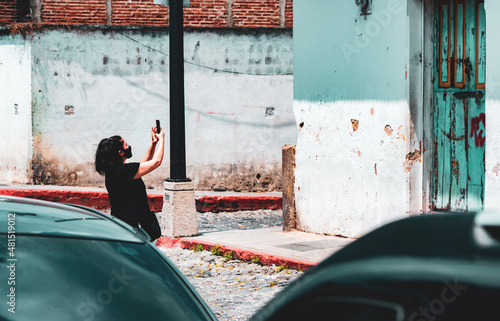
(62, 262)
(426, 268)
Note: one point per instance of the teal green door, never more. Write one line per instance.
(459, 101)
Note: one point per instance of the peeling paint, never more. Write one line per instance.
(496, 169)
(412, 158)
(355, 124)
(455, 169)
(400, 133)
(388, 130)
(69, 110)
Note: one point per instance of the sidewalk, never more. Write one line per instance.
(97, 198)
(295, 249)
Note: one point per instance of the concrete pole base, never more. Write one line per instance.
(178, 217)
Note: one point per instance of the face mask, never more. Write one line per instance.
(128, 152)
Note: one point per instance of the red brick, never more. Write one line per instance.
(8, 12)
(74, 12)
(206, 13)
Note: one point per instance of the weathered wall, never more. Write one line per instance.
(492, 161)
(351, 102)
(100, 71)
(92, 84)
(15, 109)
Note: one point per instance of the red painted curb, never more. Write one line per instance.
(246, 255)
(97, 200)
(100, 201)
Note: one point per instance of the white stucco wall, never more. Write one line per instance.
(351, 102)
(117, 82)
(492, 157)
(348, 182)
(15, 109)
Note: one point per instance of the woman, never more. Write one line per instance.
(126, 190)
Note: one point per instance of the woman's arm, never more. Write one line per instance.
(155, 161)
(154, 139)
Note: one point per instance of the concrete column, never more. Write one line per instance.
(282, 13)
(230, 19)
(178, 217)
(288, 176)
(37, 6)
(109, 12)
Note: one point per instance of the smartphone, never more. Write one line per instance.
(158, 128)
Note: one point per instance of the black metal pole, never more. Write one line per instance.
(177, 119)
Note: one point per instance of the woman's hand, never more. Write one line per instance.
(161, 135)
(154, 156)
(154, 136)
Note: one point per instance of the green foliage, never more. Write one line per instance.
(255, 259)
(228, 255)
(281, 268)
(215, 250)
(197, 248)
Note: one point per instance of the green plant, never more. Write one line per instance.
(215, 250)
(255, 259)
(197, 248)
(281, 268)
(228, 255)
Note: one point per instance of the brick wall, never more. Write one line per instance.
(206, 13)
(263, 13)
(138, 12)
(91, 12)
(289, 13)
(201, 13)
(8, 12)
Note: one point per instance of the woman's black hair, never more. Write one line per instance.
(106, 156)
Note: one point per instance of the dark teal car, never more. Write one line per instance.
(62, 262)
(440, 267)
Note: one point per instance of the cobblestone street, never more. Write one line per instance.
(241, 220)
(233, 289)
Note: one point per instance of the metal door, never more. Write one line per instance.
(459, 96)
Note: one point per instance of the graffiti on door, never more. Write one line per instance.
(476, 130)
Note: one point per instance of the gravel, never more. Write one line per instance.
(233, 289)
(241, 220)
